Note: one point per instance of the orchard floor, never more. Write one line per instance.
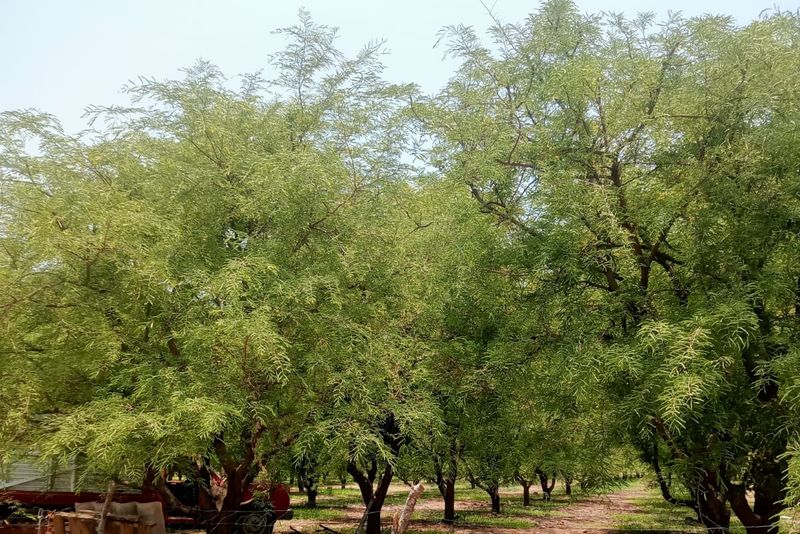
(634, 507)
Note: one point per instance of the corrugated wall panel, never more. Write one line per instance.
(25, 476)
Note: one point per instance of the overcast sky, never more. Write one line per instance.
(61, 55)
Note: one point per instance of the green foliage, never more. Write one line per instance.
(210, 273)
(599, 257)
(635, 168)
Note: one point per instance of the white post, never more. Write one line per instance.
(401, 525)
(101, 525)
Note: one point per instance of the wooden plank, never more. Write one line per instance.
(94, 516)
(80, 525)
(59, 526)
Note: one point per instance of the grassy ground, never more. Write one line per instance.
(653, 512)
(635, 507)
(339, 508)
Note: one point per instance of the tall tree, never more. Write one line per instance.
(650, 174)
(167, 281)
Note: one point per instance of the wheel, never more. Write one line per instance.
(256, 522)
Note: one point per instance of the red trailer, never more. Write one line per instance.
(28, 485)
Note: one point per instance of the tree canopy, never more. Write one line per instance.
(594, 251)
(645, 172)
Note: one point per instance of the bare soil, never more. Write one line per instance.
(589, 515)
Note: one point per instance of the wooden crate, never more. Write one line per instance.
(86, 523)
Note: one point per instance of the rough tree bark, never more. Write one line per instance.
(373, 499)
(494, 495)
(447, 489)
(547, 490)
(526, 489)
(238, 477)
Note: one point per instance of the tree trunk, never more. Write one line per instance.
(767, 469)
(101, 525)
(238, 477)
(763, 517)
(205, 500)
(526, 488)
(448, 491)
(373, 500)
(403, 521)
(546, 489)
(713, 510)
(223, 521)
(156, 484)
(494, 495)
(664, 485)
(769, 490)
(447, 486)
(374, 518)
(311, 493)
(307, 481)
(769, 498)
(568, 486)
(714, 515)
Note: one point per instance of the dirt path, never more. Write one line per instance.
(593, 515)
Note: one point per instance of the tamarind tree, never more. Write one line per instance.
(171, 280)
(598, 252)
(649, 173)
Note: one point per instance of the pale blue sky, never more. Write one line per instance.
(62, 55)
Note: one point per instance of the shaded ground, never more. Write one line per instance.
(631, 508)
(637, 507)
